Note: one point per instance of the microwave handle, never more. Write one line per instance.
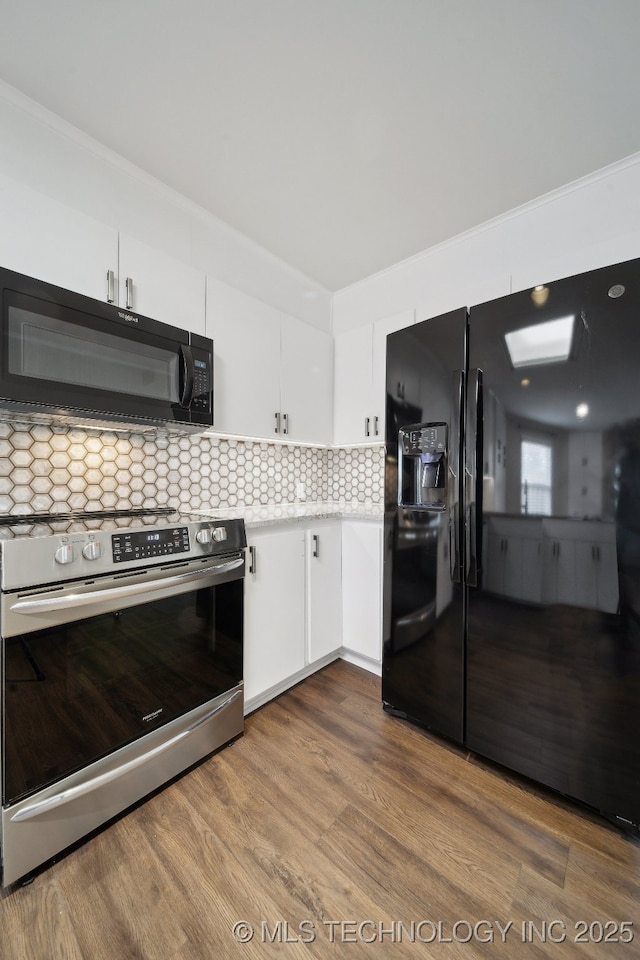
(186, 376)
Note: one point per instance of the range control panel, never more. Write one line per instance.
(141, 544)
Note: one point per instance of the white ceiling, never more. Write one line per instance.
(342, 135)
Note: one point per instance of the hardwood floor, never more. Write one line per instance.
(361, 832)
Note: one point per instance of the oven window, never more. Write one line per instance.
(77, 692)
(51, 349)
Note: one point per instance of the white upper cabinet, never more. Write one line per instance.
(306, 384)
(47, 240)
(272, 373)
(353, 386)
(246, 361)
(159, 286)
(360, 379)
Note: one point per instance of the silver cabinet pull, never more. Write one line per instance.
(128, 287)
(375, 425)
(252, 560)
(111, 286)
(367, 423)
(277, 423)
(285, 423)
(316, 545)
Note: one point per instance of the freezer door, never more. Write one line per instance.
(553, 669)
(423, 665)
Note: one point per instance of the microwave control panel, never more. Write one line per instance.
(201, 397)
(201, 385)
(142, 544)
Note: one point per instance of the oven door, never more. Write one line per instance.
(111, 688)
(61, 351)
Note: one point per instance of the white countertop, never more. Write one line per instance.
(261, 515)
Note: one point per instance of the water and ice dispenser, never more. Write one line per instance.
(423, 466)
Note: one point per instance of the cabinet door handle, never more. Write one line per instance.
(285, 423)
(252, 560)
(367, 422)
(277, 426)
(111, 287)
(316, 545)
(128, 290)
(375, 425)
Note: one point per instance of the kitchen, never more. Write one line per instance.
(86, 212)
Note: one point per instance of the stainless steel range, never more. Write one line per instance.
(121, 665)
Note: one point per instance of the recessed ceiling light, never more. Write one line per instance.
(616, 291)
(582, 411)
(540, 295)
(525, 382)
(548, 342)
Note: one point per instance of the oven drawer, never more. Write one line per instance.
(37, 828)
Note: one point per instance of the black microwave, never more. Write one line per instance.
(69, 357)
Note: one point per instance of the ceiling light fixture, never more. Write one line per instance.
(582, 411)
(525, 382)
(616, 291)
(548, 342)
(540, 295)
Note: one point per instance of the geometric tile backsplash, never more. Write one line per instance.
(57, 468)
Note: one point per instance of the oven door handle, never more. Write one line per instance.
(81, 789)
(201, 578)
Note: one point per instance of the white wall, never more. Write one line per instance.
(47, 154)
(588, 224)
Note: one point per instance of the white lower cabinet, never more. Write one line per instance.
(324, 589)
(362, 591)
(292, 609)
(274, 611)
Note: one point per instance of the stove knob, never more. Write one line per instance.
(204, 536)
(64, 554)
(219, 534)
(91, 550)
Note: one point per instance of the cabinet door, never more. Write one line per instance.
(47, 240)
(161, 287)
(274, 634)
(532, 569)
(566, 570)
(410, 375)
(513, 567)
(324, 589)
(246, 357)
(586, 571)
(353, 385)
(608, 591)
(306, 381)
(362, 588)
(494, 566)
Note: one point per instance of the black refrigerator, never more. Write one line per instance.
(512, 533)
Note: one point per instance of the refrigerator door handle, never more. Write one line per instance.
(472, 448)
(455, 567)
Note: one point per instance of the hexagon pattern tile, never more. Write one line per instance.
(57, 468)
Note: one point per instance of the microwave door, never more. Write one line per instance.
(59, 358)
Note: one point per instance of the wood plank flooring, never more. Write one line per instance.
(336, 830)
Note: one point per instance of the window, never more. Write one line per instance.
(535, 478)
